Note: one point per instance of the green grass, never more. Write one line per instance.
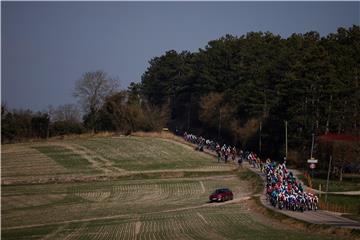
(27, 233)
(130, 154)
(65, 157)
(137, 153)
(335, 185)
(351, 203)
(253, 178)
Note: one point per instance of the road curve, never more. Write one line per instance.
(316, 217)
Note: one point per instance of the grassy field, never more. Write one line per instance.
(337, 186)
(136, 153)
(223, 222)
(348, 184)
(137, 209)
(349, 202)
(101, 156)
(38, 204)
(165, 206)
(65, 157)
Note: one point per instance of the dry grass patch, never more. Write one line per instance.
(23, 160)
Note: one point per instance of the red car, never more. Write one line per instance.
(221, 195)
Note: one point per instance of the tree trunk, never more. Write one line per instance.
(265, 105)
(356, 107)
(328, 118)
(339, 128)
(341, 173)
(342, 120)
(317, 114)
(312, 107)
(355, 115)
(305, 113)
(189, 112)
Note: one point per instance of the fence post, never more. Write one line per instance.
(327, 180)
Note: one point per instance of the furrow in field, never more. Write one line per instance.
(137, 228)
(75, 233)
(178, 222)
(98, 162)
(121, 232)
(13, 202)
(21, 160)
(52, 235)
(94, 196)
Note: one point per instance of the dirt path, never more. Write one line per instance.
(98, 162)
(318, 217)
(105, 166)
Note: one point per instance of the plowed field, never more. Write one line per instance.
(169, 206)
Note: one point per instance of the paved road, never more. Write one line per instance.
(318, 217)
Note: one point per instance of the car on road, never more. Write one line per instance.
(221, 195)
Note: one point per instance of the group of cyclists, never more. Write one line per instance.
(224, 153)
(282, 188)
(284, 191)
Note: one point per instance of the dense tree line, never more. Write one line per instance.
(18, 125)
(105, 108)
(237, 89)
(236, 83)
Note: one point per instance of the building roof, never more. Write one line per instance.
(332, 137)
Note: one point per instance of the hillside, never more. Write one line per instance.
(133, 206)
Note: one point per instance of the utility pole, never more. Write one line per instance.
(47, 128)
(188, 122)
(260, 138)
(219, 123)
(327, 180)
(312, 146)
(286, 141)
(48, 125)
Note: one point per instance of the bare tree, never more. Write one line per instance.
(67, 112)
(91, 90)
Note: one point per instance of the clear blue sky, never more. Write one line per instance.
(47, 46)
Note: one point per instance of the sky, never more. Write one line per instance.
(47, 46)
